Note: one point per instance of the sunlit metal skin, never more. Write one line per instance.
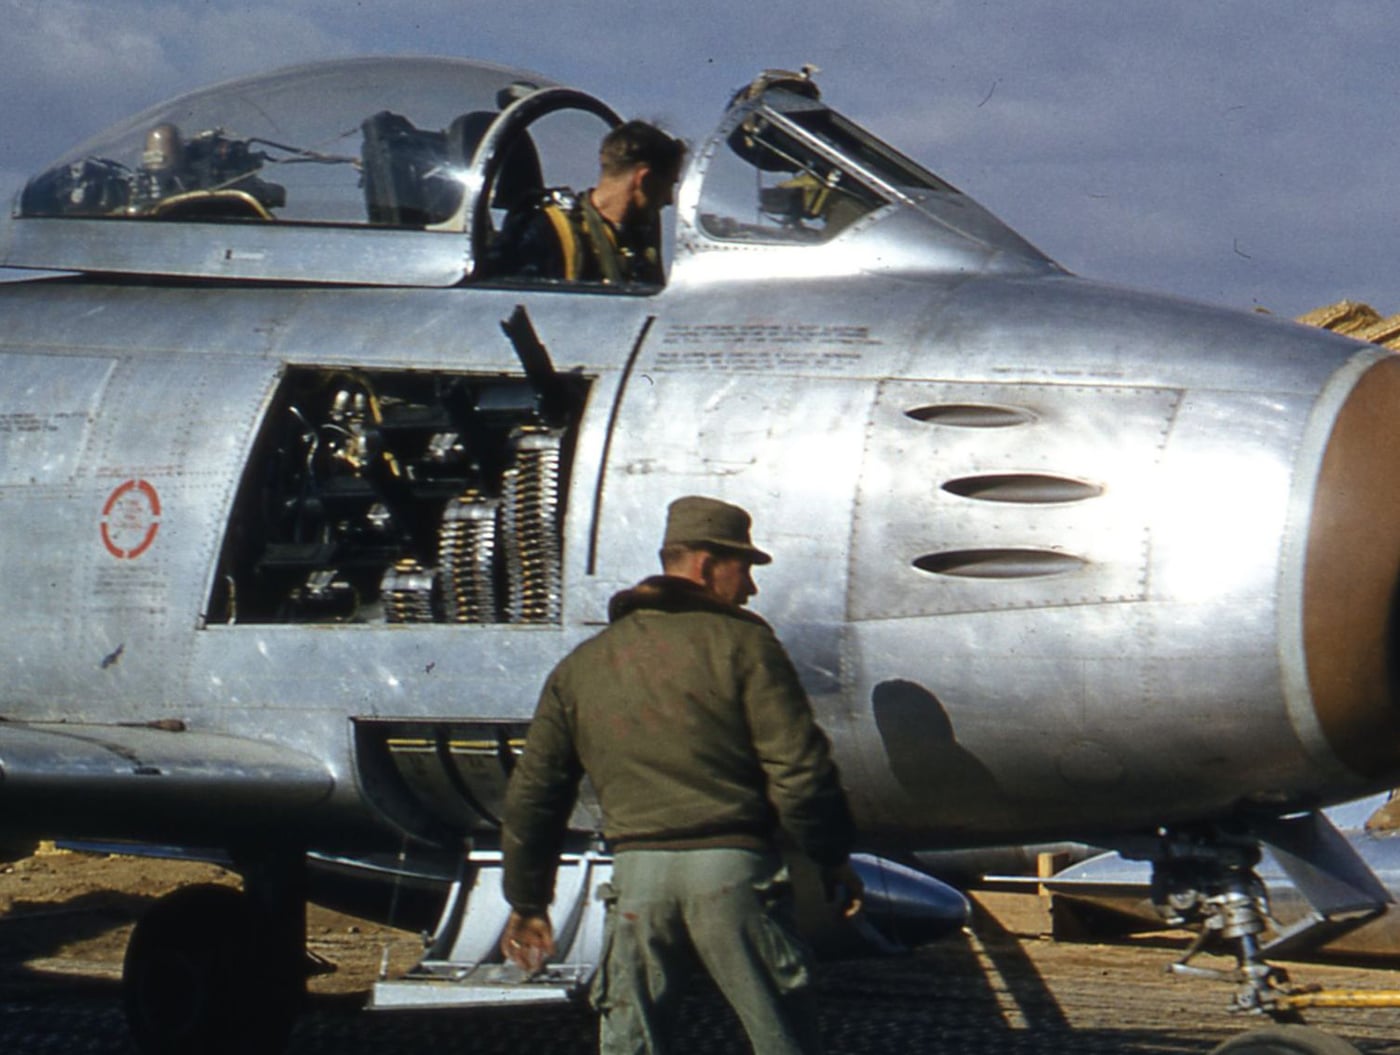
(1054, 559)
(1164, 678)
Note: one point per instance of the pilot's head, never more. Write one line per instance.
(647, 159)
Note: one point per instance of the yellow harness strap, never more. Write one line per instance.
(568, 242)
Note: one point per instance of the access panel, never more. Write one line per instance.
(377, 496)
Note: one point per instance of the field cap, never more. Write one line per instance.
(696, 520)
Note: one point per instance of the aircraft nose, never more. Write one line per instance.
(1351, 573)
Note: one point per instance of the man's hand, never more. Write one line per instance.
(844, 889)
(528, 941)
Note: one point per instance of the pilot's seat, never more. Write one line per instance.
(518, 178)
(405, 175)
(413, 177)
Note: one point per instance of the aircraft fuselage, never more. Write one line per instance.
(1041, 545)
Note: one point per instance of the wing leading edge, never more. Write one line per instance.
(80, 780)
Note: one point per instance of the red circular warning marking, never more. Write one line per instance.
(130, 519)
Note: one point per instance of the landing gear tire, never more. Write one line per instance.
(202, 976)
(1286, 1040)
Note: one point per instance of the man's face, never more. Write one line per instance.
(729, 579)
(652, 190)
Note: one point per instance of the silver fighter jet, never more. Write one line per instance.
(302, 501)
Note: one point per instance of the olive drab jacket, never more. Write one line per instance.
(687, 716)
(562, 236)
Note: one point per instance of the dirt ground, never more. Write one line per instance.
(65, 918)
(71, 913)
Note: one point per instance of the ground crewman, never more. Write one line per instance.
(688, 717)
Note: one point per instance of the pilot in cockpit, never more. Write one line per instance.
(610, 233)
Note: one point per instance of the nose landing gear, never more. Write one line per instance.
(1213, 885)
(1207, 878)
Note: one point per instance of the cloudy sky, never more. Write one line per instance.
(1235, 151)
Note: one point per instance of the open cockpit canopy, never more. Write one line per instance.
(387, 142)
(349, 171)
(393, 171)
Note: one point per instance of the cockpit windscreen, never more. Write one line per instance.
(770, 186)
(796, 171)
(785, 169)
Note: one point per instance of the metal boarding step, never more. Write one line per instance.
(463, 966)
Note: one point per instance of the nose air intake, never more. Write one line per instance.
(1351, 575)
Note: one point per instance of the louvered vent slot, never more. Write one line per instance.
(971, 415)
(999, 563)
(1023, 488)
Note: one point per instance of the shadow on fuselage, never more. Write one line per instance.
(923, 752)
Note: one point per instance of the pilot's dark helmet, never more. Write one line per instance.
(164, 149)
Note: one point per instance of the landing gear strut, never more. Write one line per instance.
(210, 969)
(1206, 877)
(1213, 884)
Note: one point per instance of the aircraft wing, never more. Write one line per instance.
(59, 778)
